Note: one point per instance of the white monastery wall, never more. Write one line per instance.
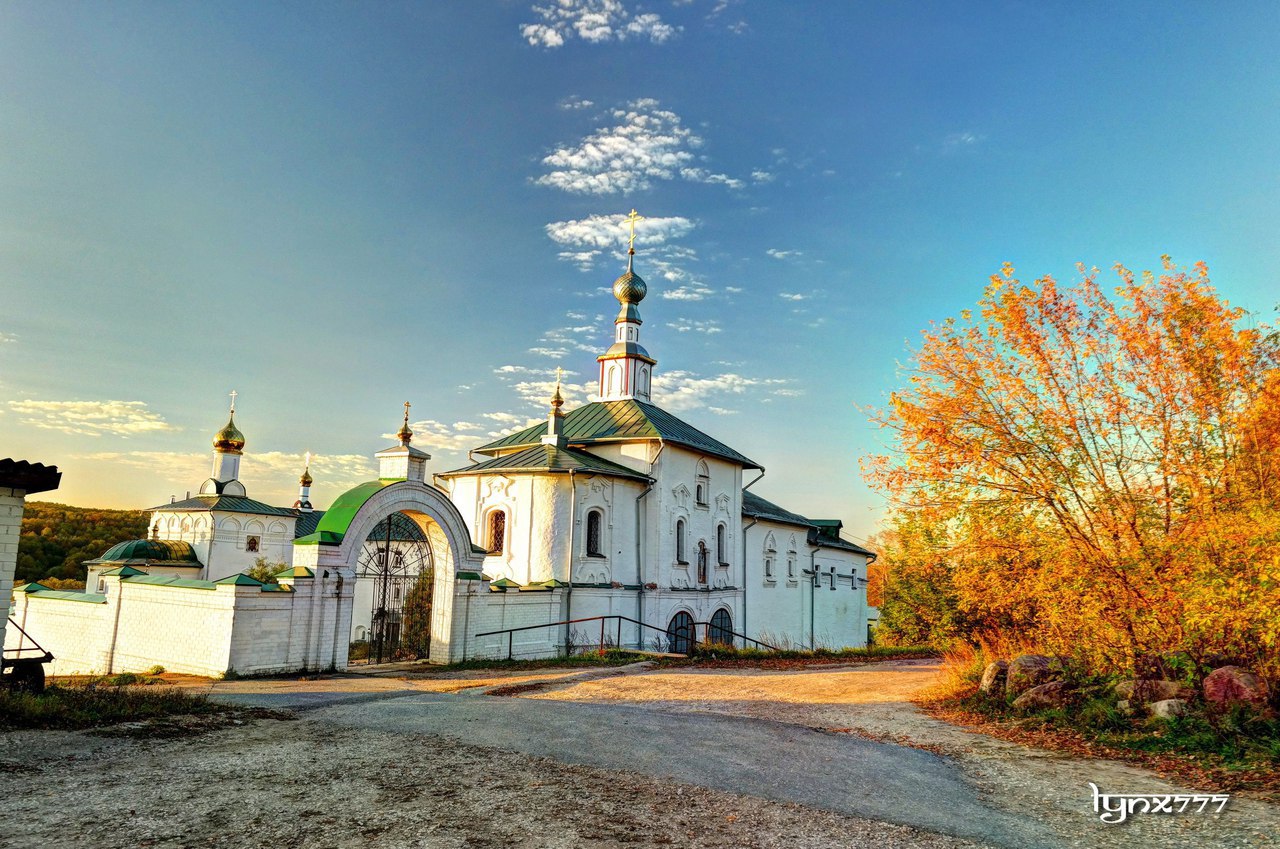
(11, 506)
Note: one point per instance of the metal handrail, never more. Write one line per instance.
(692, 637)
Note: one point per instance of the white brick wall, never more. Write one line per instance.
(11, 504)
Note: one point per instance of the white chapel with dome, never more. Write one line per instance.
(614, 523)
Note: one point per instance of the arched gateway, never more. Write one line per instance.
(333, 552)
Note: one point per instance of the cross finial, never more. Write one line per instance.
(631, 220)
(233, 400)
(407, 405)
(405, 434)
(559, 376)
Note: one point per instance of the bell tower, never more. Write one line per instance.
(626, 369)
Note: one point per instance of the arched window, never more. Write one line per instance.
(704, 484)
(702, 562)
(770, 557)
(722, 548)
(595, 520)
(497, 531)
(791, 560)
(681, 555)
(721, 628)
(680, 634)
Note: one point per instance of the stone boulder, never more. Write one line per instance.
(1148, 690)
(1235, 685)
(993, 678)
(1027, 671)
(1168, 708)
(1051, 694)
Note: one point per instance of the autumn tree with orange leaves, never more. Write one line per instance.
(1094, 472)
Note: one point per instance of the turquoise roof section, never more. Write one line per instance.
(337, 519)
(170, 581)
(149, 552)
(72, 595)
(622, 421)
(549, 459)
(240, 580)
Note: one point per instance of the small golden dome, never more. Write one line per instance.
(630, 288)
(305, 480)
(229, 440)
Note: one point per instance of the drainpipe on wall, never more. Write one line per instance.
(813, 589)
(639, 533)
(743, 622)
(568, 591)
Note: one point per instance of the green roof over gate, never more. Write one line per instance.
(336, 521)
(622, 421)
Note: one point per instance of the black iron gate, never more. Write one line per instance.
(396, 559)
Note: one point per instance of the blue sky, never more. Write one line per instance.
(332, 208)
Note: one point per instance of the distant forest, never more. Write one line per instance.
(57, 539)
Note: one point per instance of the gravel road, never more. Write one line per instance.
(636, 756)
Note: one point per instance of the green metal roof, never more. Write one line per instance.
(823, 532)
(62, 595)
(122, 572)
(225, 503)
(150, 552)
(307, 523)
(622, 421)
(548, 458)
(758, 508)
(170, 581)
(240, 580)
(336, 521)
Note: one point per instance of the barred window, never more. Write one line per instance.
(595, 519)
(497, 531)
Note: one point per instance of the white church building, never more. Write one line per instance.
(616, 523)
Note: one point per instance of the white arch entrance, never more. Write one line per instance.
(333, 553)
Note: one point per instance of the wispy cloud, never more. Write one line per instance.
(777, 254)
(593, 21)
(575, 103)
(958, 141)
(684, 390)
(274, 470)
(690, 325)
(586, 239)
(645, 143)
(794, 296)
(91, 418)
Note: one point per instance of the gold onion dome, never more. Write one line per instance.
(306, 479)
(229, 440)
(630, 288)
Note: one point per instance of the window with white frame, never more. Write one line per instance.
(703, 492)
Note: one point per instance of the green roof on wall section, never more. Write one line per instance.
(623, 421)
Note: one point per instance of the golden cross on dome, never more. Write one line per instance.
(406, 412)
(559, 375)
(631, 220)
(233, 400)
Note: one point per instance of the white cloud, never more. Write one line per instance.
(575, 103)
(687, 293)
(965, 139)
(602, 232)
(683, 390)
(646, 143)
(91, 418)
(777, 254)
(276, 471)
(793, 296)
(433, 436)
(594, 21)
(761, 176)
(7, 337)
(690, 325)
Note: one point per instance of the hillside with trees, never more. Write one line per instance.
(57, 539)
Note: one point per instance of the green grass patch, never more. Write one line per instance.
(1237, 738)
(96, 705)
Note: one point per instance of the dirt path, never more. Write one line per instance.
(874, 700)
(318, 785)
